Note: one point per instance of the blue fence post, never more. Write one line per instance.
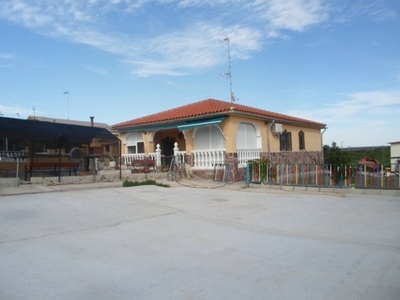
(378, 175)
(248, 174)
(227, 172)
(360, 174)
(327, 175)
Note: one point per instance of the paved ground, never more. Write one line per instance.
(194, 243)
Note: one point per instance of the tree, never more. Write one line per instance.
(335, 155)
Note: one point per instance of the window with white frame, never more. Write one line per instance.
(209, 137)
(246, 136)
(134, 143)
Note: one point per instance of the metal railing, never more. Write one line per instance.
(356, 176)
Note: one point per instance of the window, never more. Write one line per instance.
(302, 143)
(134, 143)
(107, 148)
(246, 136)
(286, 141)
(209, 137)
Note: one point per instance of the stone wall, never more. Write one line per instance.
(295, 157)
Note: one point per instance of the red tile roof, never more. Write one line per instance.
(210, 107)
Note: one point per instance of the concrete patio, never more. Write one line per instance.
(195, 243)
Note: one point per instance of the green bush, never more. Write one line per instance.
(128, 183)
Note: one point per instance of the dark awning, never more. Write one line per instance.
(180, 125)
(48, 131)
(200, 123)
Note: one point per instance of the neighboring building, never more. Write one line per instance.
(97, 146)
(212, 132)
(395, 155)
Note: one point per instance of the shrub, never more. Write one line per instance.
(128, 183)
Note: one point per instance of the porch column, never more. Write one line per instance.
(176, 153)
(158, 156)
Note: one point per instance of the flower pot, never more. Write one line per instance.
(100, 165)
(112, 164)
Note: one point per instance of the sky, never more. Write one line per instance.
(330, 61)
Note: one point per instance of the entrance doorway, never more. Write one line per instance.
(167, 150)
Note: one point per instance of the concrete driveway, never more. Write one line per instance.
(186, 243)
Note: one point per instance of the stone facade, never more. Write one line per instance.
(297, 157)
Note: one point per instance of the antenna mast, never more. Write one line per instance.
(67, 102)
(229, 73)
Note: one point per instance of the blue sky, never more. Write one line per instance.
(332, 61)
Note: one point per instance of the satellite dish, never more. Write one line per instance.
(76, 154)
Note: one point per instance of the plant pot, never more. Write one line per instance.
(100, 165)
(112, 164)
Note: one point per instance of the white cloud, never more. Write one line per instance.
(7, 56)
(181, 52)
(295, 15)
(15, 111)
(192, 47)
(371, 115)
(173, 84)
(359, 105)
(370, 9)
(97, 70)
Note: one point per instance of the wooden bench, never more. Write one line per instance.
(54, 168)
(143, 163)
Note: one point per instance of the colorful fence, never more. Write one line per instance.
(358, 176)
(222, 172)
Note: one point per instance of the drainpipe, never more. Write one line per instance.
(268, 143)
(322, 145)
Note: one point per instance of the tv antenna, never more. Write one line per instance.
(67, 93)
(229, 73)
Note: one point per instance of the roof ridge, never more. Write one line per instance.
(208, 107)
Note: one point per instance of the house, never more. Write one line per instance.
(395, 156)
(213, 132)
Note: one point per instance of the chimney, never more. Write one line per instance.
(91, 121)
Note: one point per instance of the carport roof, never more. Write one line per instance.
(34, 130)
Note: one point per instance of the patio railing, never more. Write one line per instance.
(207, 159)
(357, 176)
(245, 155)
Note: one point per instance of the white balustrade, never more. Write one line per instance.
(246, 154)
(179, 155)
(128, 158)
(207, 159)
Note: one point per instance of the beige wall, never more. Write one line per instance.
(312, 136)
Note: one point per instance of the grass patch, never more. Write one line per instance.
(128, 183)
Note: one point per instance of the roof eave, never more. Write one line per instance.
(282, 120)
(168, 122)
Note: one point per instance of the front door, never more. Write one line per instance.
(167, 150)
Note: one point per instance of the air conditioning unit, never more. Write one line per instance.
(277, 128)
